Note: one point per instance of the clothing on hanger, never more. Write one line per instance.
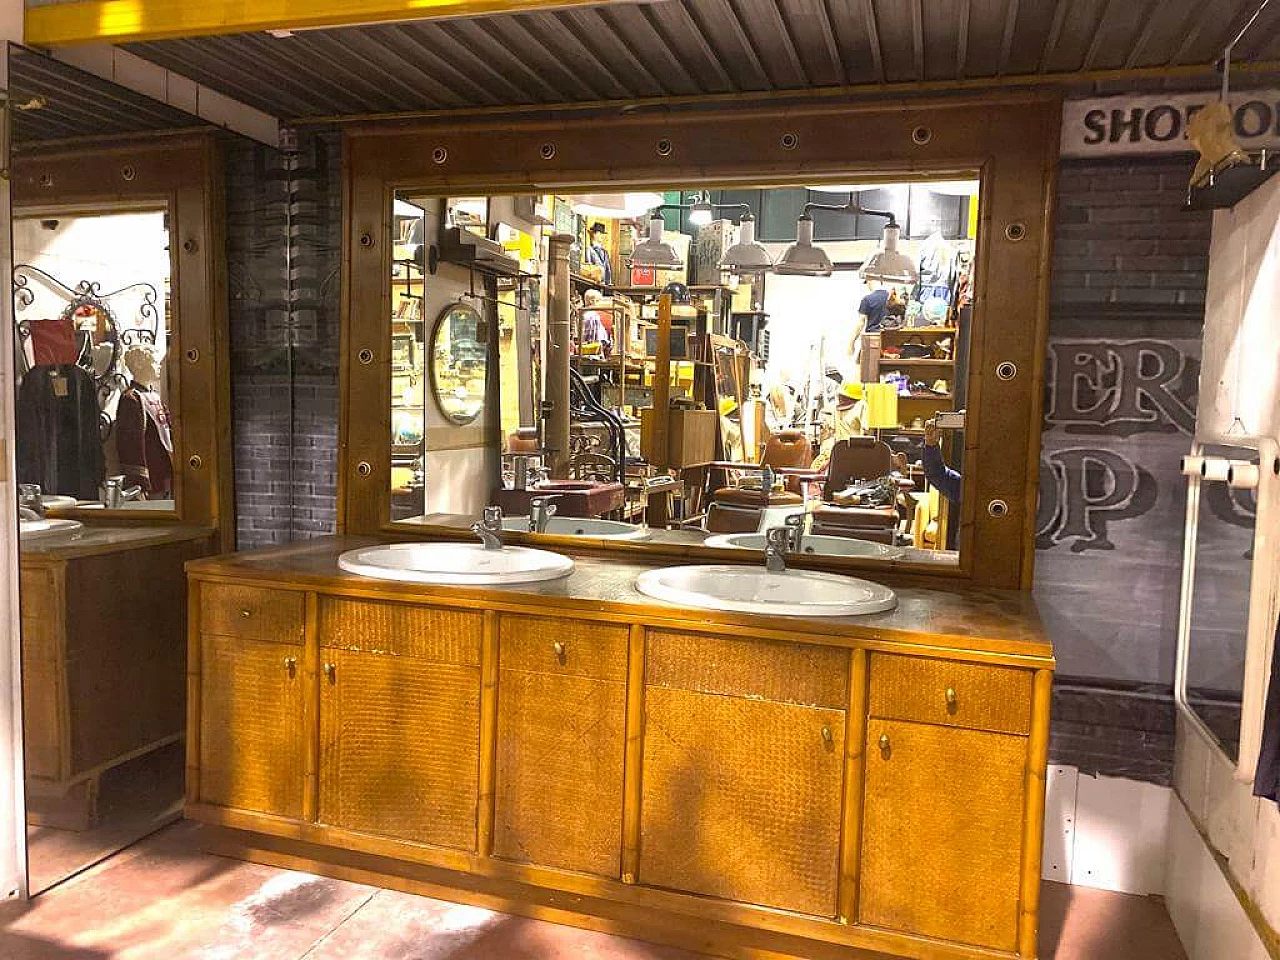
(53, 342)
(58, 441)
(937, 266)
(144, 441)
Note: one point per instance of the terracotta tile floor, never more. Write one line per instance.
(164, 899)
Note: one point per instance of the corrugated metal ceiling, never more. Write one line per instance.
(78, 104)
(688, 48)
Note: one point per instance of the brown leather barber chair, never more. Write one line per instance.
(854, 460)
(737, 508)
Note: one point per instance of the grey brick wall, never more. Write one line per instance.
(1122, 237)
(284, 258)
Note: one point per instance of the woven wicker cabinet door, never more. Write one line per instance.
(561, 742)
(741, 799)
(400, 747)
(251, 703)
(942, 832)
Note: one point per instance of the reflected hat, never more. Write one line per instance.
(850, 393)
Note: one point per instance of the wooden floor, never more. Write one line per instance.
(164, 899)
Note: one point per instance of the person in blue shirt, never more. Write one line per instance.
(872, 308)
(936, 471)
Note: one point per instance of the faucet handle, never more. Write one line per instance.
(492, 516)
(778, 537)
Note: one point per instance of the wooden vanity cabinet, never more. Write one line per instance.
(750, 793)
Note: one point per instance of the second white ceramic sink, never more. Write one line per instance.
(574, 527)
(455, 563)
(787, 593)
(44, 529)
(812, 545)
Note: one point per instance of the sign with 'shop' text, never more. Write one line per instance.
(1115, 126)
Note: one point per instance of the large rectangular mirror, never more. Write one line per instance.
(94, 320)
(807, 369)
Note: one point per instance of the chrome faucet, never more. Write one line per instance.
(777, 541)
(113, 493)
(29, 498)
(795, 532)
(489, 529)
(541, 510)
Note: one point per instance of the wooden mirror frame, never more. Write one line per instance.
(1007, 141)
(182, 173)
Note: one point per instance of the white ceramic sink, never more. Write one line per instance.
(455, 563)
(789, 593)
(573, 527)
(44, 529)
(812, 545)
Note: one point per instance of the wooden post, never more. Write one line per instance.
(662, 385)
(555, 428)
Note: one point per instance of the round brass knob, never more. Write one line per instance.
(331, 672)
(951, 697)
(291, 665)
(884, 743)
(826, 735)
(246, 614)
(559, 648)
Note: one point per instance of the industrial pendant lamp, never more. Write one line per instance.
(654, 252)
(701, 211)
(747, 256)
(888, 265)
(802, 258)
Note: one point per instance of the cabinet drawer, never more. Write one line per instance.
(759, 669)
(570, 647)
(402, 629)
(251, 613)
(951, 693)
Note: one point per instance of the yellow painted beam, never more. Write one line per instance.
(131, 21)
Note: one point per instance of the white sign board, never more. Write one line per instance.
(1114, 126)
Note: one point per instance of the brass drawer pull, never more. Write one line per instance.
(826, 735)
(951, 699)
(246, 614)
(331, 672)
(884, 744)
(559, 648)
(291, 664)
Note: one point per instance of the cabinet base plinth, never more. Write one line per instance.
(638, 920)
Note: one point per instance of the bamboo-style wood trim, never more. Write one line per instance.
(194, 655)
(1033, 822)
(633, 766)
(310, 677)
(854, 739)
(489, 662)
(994, 88)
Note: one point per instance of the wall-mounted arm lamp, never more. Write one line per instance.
(887, 265)
(744, 256)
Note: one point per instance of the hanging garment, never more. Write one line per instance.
(53, 342)
(59, 444)
(144, 441)
(1267, 782)
(937, 266)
